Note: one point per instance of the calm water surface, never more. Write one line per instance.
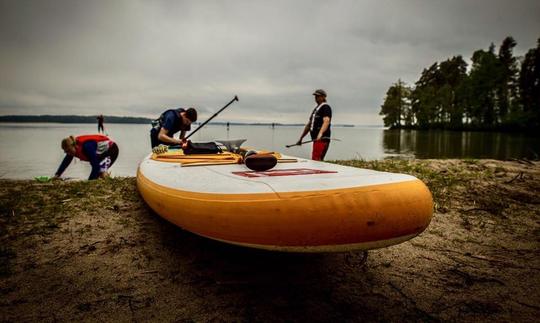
(29, 150)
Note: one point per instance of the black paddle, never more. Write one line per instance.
(307, 142)
(212, 117)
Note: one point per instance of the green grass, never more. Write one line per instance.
(29, 208)
(440, 182)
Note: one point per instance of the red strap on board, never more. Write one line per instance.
(283, 172)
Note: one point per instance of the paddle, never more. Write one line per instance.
(212, 117)
(307, 142)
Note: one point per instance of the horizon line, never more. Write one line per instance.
(8, 116)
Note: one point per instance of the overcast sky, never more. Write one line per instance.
(137, 58)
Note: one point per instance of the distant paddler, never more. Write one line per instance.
(99, 150)
(100, 119)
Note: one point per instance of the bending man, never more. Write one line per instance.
(169, 123)
(100, 151)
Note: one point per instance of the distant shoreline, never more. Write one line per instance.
(133, 120)
(71, 119)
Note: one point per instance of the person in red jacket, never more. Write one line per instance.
(99, 150)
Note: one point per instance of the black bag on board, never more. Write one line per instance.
(202, 148)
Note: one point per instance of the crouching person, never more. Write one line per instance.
(100, 151)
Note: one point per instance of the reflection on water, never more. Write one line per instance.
(456, 144)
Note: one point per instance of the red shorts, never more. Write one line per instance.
(320, 148)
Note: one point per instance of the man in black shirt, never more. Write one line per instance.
(318, 126)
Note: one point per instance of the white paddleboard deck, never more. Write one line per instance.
(301, 176)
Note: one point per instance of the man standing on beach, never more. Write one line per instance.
(318, 126)
(169, 123)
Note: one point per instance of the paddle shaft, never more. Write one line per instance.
(307, 142)
(212, 117)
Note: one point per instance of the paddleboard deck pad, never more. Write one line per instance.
(299, 205)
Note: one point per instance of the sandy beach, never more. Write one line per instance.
(93, 251)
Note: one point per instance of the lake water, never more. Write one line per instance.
(29, 150)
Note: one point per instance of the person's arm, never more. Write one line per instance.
(304, 133)
(65, 163)
(324, 127)
(90, 149)
(163, 136)
(182, 134)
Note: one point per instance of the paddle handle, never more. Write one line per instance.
(212, 117)
(307, 142)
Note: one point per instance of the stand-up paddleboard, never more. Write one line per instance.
(299, 205)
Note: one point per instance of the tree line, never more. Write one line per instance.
(498, 92)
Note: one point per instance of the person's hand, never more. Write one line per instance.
(299, 142)
(319, 137)
(104, 174)
(184, 143)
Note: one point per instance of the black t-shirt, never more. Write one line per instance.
(316, 121)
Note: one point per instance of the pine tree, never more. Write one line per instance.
(424, 100)
(508, 83)
(484, 78)
(529, 83)
(396, 105)
(453, 73)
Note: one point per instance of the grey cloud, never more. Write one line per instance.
(140, 57)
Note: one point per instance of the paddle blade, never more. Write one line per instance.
(260, 162)
(232, 145)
